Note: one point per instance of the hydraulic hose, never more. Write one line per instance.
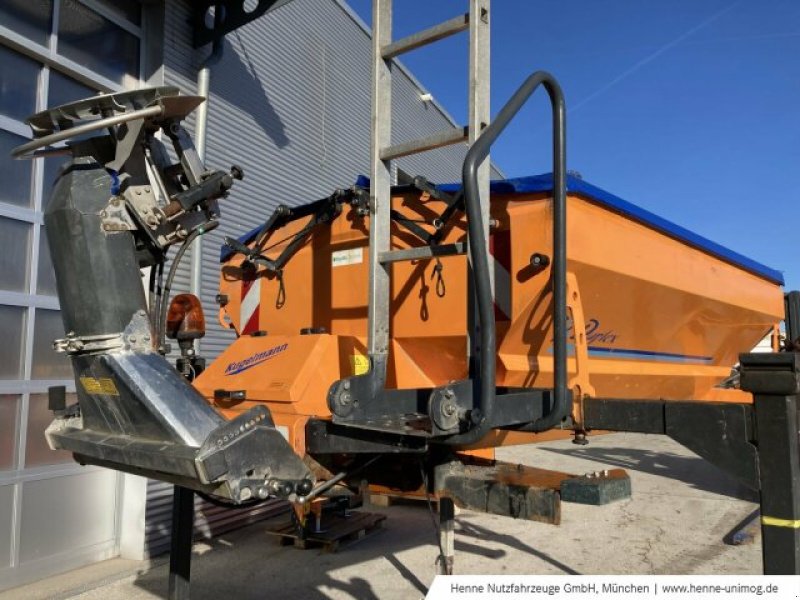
(483, 417)
(161, 326)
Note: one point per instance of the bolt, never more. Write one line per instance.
(580, 438)
(103, 214)
(449, 409)
(346, 385)
(263, 492)
(115, 202)
(147, 190)
(138, 192)
(132, 338)
(345, 399)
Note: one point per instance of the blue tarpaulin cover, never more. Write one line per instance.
(544, 183)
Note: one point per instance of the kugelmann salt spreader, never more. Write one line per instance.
(399, 335)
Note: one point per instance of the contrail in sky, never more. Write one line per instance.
(651, 57)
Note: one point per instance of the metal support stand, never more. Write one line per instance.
(180, 555)
(447, 535)
(774, 380)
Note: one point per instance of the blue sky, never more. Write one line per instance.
(688, 108)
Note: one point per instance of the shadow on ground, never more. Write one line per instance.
(692, 470)
(249, 564)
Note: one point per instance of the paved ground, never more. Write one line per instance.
(681, 510)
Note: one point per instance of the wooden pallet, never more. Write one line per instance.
(337, 531)
(383, 500)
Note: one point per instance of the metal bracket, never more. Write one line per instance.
(88, 344)
(580, 384)
(234, 15)
(115, 217)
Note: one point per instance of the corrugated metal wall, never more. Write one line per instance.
(290, 104)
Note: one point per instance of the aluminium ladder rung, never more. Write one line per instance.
(437, 140)
(423, 252)
(428, 36)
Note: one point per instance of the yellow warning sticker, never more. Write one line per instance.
(99, 386)
(776, 522)
(360, 364)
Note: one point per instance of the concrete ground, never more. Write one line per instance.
(681, 510)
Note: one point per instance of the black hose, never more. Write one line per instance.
(223, 504)
(161, 326)
(482, 417)
(156, 287)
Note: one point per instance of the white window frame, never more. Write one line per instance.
(31, 300)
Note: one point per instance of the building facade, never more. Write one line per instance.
(289, 102)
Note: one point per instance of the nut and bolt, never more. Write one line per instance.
(345, 399)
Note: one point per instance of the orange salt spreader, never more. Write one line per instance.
(402, 352)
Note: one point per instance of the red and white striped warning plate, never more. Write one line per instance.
(500, 249)
(251, 299)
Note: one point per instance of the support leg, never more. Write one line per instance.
(774, 380)
(447, 535)
(180, 557)
(779, 455)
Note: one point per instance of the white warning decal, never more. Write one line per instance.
(353, 256)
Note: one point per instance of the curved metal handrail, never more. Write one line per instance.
(480, 260)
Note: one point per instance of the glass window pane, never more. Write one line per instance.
(18, 81)
(46, 277)
(9, 407)
(6, 523)
(47, 363)
(131, 11)
(37, 452)
(52, 167)
(63, 89)
(31, 19)
(12, 324)
(97, 44)
(15, 174)
(15, 257)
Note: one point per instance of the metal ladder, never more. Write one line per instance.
(382, 152)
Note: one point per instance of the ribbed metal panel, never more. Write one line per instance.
(290, 104)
